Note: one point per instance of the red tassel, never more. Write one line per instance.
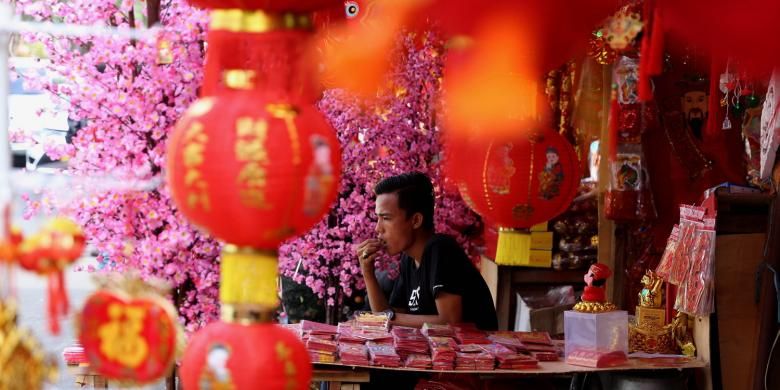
(614, 111)
(656, 59)
(651, 62)
(645, 88)
(58, 304)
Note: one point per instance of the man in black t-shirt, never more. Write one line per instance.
(437, 282)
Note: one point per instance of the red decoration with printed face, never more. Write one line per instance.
(267, 5)
(130, 339)
(232, 356)
(251, 171)
(518, 181)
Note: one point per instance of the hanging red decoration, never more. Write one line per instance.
(48, 252)
(231, 356)
(516, 182)
(252, 171)
(129, 333)
(522, 181)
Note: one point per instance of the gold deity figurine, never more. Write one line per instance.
(649, 331)
(652, 293)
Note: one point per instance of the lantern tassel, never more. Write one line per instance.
(58, 304)
(514, 246)
(248, 281)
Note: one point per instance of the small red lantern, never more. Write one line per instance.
(129, 335)
(48, 252)
(231, 356)
(515, 183)
(253, 172)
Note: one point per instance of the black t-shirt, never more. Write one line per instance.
(444, 267)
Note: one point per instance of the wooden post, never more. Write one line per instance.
(606, 251)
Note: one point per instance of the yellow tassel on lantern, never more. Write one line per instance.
(514, 247)
(248, 284)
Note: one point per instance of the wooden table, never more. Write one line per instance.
(341, 377)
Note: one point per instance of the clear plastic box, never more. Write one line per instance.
(596, 332)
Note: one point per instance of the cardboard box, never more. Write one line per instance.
(539, 258)
(545, 319)
(539, 227)
(542, 240)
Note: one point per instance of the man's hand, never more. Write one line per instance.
(367, 251)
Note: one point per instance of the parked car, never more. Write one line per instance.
(42, 119)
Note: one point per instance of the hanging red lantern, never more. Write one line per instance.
(48, 252)
(260, 51)
(129, 332)
(267, 5)
(231, 356)
(516, 182)
(252, 171)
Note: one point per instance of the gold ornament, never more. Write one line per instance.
(23, 364)
(621, 29)
(652, 293)
(594, 307)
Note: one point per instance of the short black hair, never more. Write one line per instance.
(415, 194)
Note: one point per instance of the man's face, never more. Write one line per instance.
(392, 225)
(694, 105)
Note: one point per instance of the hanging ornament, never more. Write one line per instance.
(164, 53)
(621, 29)
(129, 331)
(23, 363)
(600, 50)
(752, 101)
(48, 252)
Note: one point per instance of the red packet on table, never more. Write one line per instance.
(367, 320)
(534, 338)
(322, 357)
(436, 330)
(509, 341)
(596, 359)
(545, 356)
(316, 328)
(321, 345)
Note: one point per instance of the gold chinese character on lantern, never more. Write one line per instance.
(193, 158)
(120, 338)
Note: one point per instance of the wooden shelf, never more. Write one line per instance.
(544, 275)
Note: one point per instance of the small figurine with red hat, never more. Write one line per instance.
(594, 298)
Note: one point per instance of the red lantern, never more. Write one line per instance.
(233, 356)
(267, 5)
(129, 338)
(252, 171)
(516, 182)
(48, 252)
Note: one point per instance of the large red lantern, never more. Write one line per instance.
(129, 334)
(232, 356)
(516, 182)
(253, 171)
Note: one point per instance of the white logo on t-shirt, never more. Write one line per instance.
(414, 299)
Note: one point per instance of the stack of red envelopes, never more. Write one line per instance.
(508, 340)
(418, 361)
(469, 334)
(353, 354)
(442, 352)
(383, 355)
(510, 360)
(346, 334)
(367, 320)
(435, 330)
(321, 349)
(409, 341)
